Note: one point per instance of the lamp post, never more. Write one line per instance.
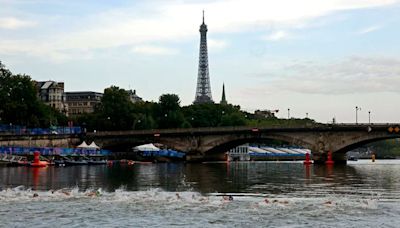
(369, 117)
(357, 109)
(288, 113)
(306, 115)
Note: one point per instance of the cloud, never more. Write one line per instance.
(216, 44)
(354, 75)
(369, 29)
(166, 21)
(14, 23)
(154, 50)
(276, 36)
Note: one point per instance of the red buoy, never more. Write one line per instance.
(308, 160)
(36, 160)
(329, 160)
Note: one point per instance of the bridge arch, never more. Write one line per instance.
(362, 142)
(224, 145)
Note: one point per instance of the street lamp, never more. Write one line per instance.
(288, 113)
(306, 115)
(357, 109)
(369, 117)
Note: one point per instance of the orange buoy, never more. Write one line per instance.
(308, 160)
(329, 161)
(36, 160)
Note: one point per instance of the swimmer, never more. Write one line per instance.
(203, 199)
(328, 203)
(266, 201)
(93, 193)
(35, 195)
(178, 196)
(65, 192)
(230, 198)
(225, 198)
(280, 202)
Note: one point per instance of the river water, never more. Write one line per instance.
(191, 195)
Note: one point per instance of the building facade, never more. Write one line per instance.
(239, 153)
(133, 96)
(52, 94)
(82, 102)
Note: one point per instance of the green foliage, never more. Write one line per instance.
(169, 114)
(214, 115)
(20, 104)
(386, 148)
(116, 110)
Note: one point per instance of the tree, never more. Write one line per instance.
(115, 110)
(233, 119)
(169, 114)
(20, 104)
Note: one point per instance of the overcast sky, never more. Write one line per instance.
(321, 57)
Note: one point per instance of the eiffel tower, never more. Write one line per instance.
(203, 90)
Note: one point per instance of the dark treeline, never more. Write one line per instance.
(117, 112)
(20, 105)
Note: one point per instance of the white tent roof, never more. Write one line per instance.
(93, 145)
(147, 147)
(83, 145)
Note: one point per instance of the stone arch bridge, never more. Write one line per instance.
(211, 143)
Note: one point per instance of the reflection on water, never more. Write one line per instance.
(359, 194)
(255, 177)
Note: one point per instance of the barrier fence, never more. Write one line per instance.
(21, 130)
(163, 153)
(47, 151)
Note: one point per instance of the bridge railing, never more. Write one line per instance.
(316, 126)
(21, 130)
(53, 151)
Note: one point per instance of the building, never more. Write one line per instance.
(133, 96)
(203, 89)
(223, 99)
(52, 94)
(82, 102)
(239, 153)
(265, 114)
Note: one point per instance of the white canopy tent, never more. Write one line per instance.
(147, 147)
(83, 145)
(93, 146)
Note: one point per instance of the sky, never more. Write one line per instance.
(318, 57)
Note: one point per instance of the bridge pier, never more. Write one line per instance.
(338, 158)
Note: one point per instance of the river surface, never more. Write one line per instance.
(265, 194)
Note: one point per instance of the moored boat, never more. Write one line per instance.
(76, 162)
(97, 162)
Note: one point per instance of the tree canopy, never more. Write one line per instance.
(20, 104)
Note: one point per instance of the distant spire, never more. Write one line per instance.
(203, 16)
(223, 99)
